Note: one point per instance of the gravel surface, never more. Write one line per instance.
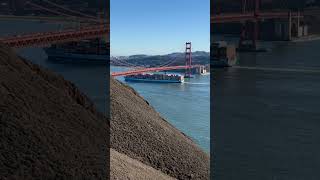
(124, 167)
(139, 132)
(48, 128)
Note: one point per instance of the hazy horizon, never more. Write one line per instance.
(160, 54)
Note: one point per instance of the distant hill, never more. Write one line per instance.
(198, 57)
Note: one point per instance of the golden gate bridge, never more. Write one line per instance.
(93, 27)
(98, 28)
(245, 17)
(257, 15)
(163, 67)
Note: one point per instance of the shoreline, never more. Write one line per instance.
(314, 37)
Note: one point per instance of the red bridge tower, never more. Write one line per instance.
(188, 60)
(255, 28)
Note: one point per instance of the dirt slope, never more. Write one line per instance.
(48, 128)
(138, 131)
(124, 167)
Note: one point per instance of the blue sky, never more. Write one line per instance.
(158, 26)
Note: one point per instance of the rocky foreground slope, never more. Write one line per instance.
(124, 167)
(138, 131)
(48, 128)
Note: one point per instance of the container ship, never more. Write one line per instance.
(156, 78)
(222, 54)
(85, 51)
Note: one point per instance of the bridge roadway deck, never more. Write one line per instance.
(155, 69)
(55, 19)
(47, 38)
(241, 17)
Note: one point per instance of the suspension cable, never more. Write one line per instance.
(71, 11)
(56, 12)
(126, 63)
